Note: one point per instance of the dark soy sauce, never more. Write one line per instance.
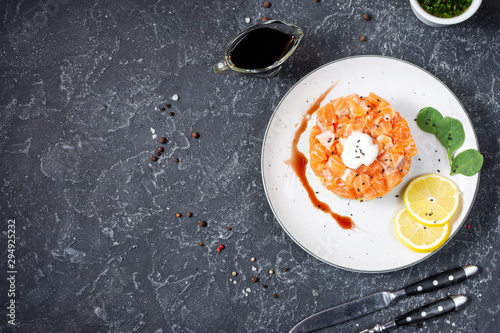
(298, 162)
(260, 48)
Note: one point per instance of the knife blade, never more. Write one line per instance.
(380, 300)
(428, 311)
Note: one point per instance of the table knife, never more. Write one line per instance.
(428, 311)
(380, 300)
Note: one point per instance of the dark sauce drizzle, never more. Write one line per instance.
(298, 162)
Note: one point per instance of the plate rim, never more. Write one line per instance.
(268, 196)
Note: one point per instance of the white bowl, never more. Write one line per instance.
(434, 21)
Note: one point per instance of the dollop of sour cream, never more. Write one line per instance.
(359, 149)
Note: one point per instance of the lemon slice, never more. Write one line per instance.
(431, 199)
(419, 237)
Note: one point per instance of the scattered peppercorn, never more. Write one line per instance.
(265, 286)
(162, 109)
(189, 214)
(229, 228)
(255, 279)
(200, 244)
(362, 38)
(275, 295)
(317, 0)
(176, 160)
(202, 224)
(168, 106)
(264, 19)
(158, 153)
(160, 149)
(367, 17)
(267, 4)
(162, 140)
(178, 215)
(195, 135)
(286, 269)
(154, 158)
(171, 114)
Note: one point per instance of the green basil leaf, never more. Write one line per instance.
(467, 163)
(428, 118)
(450, 133)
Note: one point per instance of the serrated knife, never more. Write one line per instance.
(380, 300)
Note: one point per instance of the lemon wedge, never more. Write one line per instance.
(419, 237)
(431, 199)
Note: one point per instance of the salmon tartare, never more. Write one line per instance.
(348, 168)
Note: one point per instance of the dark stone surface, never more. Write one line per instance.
(98, 245)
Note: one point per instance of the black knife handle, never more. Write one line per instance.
(435, 309)
(441, 280)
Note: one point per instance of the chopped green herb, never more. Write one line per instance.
(445, 8)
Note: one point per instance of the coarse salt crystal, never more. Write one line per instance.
(175, 97)
(254, 268)
(248, 290)
(247, 20)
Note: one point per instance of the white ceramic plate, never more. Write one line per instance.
(373, 247)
